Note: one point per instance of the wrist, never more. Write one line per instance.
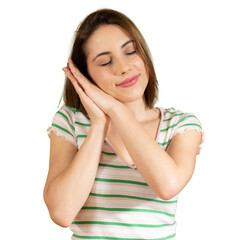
(120, 114)
(98, 131)
(117, 109)
(99, 126)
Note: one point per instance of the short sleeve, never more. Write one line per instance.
(63, 124)
(184, 122)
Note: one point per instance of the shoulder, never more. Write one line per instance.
(67, 111)
(71, 113)
(177, 119)
(180, 122)
(67, 122)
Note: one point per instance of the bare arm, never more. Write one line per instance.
(165, 172)
(71, 174)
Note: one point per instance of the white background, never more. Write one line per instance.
(201, 55)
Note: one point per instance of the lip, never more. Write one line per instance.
(128, 80)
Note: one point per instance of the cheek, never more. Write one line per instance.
(99, 77)
(94, 74)
(140, 63)
(143, 66)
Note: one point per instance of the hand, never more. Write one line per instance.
(96, 102)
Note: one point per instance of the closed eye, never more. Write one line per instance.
(104, 64)
(130, 53)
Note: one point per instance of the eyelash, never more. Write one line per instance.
(130, 53)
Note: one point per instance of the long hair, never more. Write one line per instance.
(88, 26)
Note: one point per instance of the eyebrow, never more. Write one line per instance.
(108, 52)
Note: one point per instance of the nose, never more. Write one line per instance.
(122, 66)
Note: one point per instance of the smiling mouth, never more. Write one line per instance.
(130, 83)
(127, 80)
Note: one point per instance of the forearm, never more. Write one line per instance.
(68, 192)
(156, 167)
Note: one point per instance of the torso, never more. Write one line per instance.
(151, 126)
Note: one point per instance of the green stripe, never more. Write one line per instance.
(117, 238)
(167, 110)
(165, 143)
(62, 114)
(188, 116)
(133, 197)
(113, 166)
(109, 153)
(123, 224)
(166, 129)
(81, 136)
(120, 181)
(61, 128)
(128, 210)
(65, 116)
(191, 124)
(177, 114)
(83, 124)
(72, 109)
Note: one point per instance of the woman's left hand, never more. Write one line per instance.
(104, 101)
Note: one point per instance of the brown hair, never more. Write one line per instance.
(90, 24)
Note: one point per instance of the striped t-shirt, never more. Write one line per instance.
(121, 205)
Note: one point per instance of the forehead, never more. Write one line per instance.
(105, 38)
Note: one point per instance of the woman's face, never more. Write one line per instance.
(112, 58)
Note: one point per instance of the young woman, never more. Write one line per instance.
(117, 163)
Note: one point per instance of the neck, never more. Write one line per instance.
(139, 109)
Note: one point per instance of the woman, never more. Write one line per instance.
(117, 163)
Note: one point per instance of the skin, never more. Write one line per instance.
(122, 62)
(71, 171)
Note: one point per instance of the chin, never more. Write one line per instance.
(130, 98)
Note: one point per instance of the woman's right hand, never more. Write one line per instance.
(96, 115)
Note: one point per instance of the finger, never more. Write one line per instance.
(84, 98)
(69, 74)
(77, 74)
(83, 91)
(75, 71)
(77, 84)
(82, 95)
(78, 88)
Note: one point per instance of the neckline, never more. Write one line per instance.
(157, 138)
